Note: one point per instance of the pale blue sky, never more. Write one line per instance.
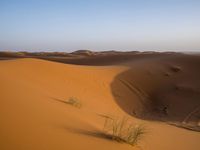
(67, 25)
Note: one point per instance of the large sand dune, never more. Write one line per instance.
(162, 87)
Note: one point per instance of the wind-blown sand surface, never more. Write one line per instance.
(164, 87)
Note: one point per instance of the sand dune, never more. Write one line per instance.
(162, 87)
(165, 89)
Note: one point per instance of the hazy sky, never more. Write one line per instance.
(66, 25)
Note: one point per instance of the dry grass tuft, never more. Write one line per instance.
(74, 102)
(121, 130)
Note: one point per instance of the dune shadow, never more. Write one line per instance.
(145, 92)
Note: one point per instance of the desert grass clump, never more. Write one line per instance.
(121, 130)
(74, 102)
(175, 68)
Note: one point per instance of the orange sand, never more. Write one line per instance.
(33, 118)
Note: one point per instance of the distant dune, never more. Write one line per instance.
(84, 57)
(150, 88)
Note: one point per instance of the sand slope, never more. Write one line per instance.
(161, 88)
(32, 116)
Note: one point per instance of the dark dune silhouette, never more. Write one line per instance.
(165, 89)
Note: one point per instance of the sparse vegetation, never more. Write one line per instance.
(74, 102)
(121, 130)
(175, 68)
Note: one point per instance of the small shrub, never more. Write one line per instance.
(74, 102)
(121, 130)
(175, 68)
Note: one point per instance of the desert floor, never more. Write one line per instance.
(34, 115)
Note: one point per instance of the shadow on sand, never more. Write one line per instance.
(156, 91)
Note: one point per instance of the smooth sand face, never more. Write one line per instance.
(32, 115)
